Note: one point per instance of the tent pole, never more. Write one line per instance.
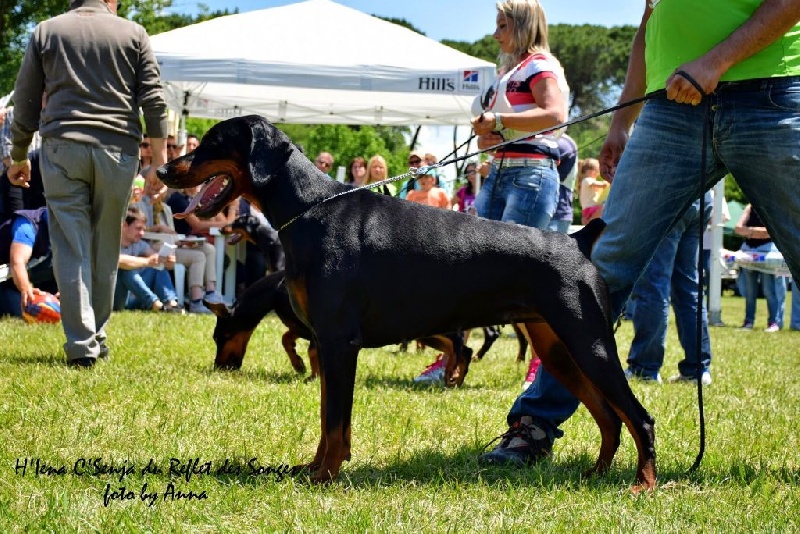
(715, 264)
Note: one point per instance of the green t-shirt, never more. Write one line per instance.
(680, 31)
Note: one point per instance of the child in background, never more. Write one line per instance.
(593, 191)
(464, 199)
(428, 194)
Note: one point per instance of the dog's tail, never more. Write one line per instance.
(587, 235)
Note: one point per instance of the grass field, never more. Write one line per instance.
(158, 404)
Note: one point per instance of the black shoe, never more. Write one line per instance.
(104, 352)
(81, 362)
(524, 443)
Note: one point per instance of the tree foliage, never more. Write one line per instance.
(17, 19)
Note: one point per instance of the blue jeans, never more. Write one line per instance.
(671, 275)
(754, 135)
(145, 285)
(559, 226)
(522, 195)
(774, 290)
(795, 320)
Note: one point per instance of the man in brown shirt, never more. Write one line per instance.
(97, 71)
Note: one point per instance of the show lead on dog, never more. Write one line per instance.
(97, 70)
(733, 66)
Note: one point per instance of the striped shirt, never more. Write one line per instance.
(518, 84)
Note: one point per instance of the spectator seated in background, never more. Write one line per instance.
(415, 161)
(378, 171)
(428, 194)
(464, 199)
(199, 257)
(14, 198)
(141, 271)
(194, 226)
(324, 162)
(24, 245)
(264, 252)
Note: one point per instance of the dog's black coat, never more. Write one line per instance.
(345, 256)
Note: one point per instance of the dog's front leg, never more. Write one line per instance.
(338, 376)
(289, 339)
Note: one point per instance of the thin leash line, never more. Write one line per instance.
(577, 120)
(700, 300)
(427, 168)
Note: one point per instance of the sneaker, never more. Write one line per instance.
(533, 367)
(174, 308)
(199, 307)
(523, 443)
(747, 325)
(212, 297)
(630, 374)
(772, 328)
(434, 373)
(680, 378)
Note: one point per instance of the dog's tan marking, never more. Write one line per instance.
(231, 354)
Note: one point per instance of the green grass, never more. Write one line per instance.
(414, 449)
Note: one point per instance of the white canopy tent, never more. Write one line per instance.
(317, 62)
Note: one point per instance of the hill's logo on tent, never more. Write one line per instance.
(469, 82)
(439, 85)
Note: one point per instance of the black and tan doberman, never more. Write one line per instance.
(345, 254)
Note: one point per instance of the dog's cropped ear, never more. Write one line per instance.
(220, 310)
(270, 149)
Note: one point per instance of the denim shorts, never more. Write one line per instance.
(522, 195)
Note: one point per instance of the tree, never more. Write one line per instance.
(17, 20)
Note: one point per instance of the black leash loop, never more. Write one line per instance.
(692, 81)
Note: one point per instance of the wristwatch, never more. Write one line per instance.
(498, 122)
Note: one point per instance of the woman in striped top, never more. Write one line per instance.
(530, 95)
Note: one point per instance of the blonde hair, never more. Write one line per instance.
(590, 164)
(530, 30)
(372, 161)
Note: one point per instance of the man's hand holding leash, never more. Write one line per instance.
(19, 173)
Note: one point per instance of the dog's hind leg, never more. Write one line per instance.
(523, 344)
(604, 379)
(289, 340)
(313, 359)
(457, 355)
(558, 360)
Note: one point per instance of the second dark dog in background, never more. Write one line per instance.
(235, 326)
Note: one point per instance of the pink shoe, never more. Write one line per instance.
(533, 367)
(433, 373)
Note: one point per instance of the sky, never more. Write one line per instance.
(458, 20)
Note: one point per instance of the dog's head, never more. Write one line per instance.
(224, 164)
(231, 340)
(244, 227)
